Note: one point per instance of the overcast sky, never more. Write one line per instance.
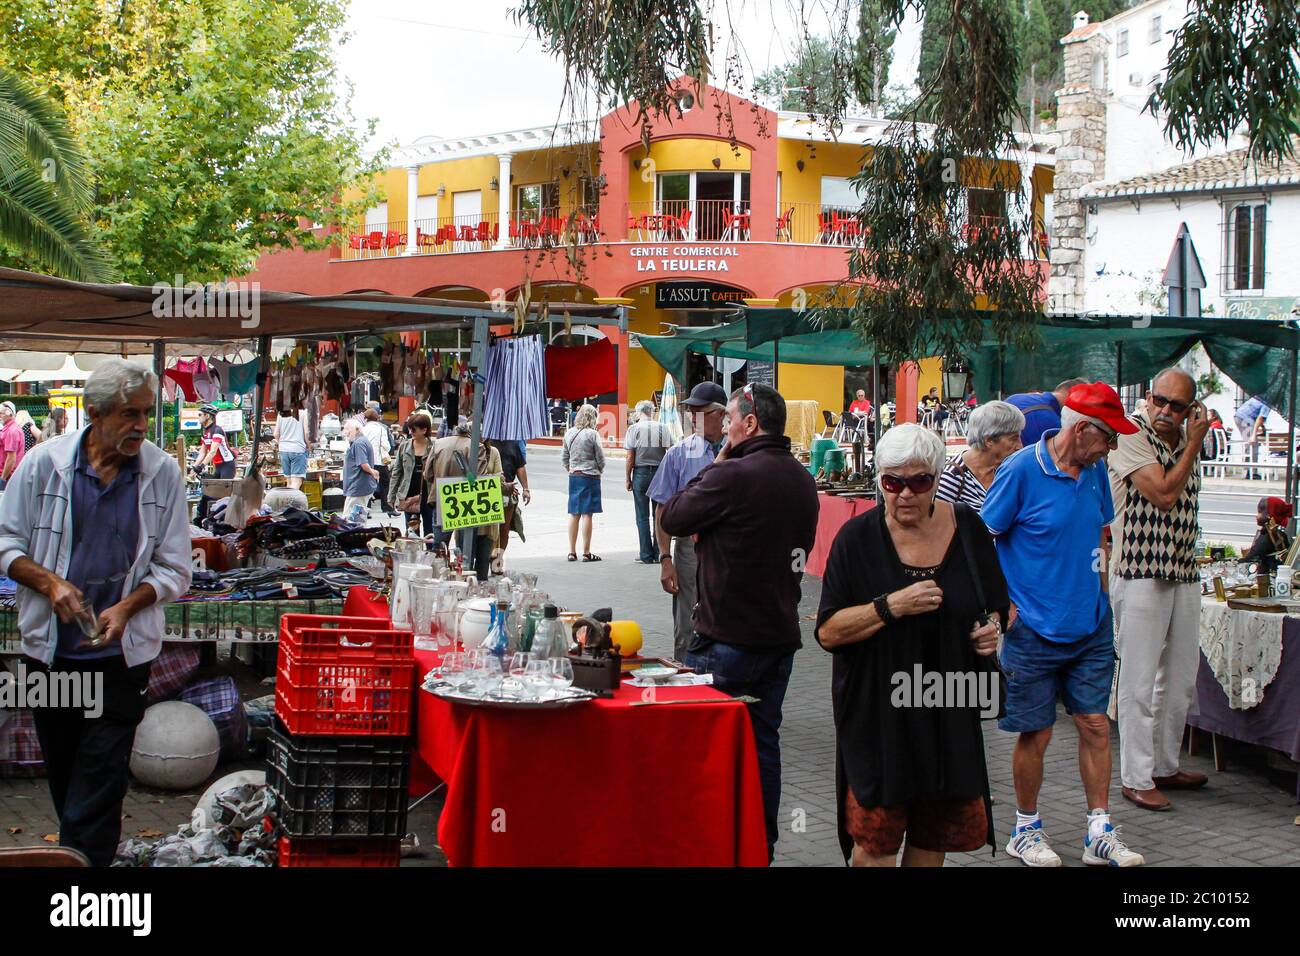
(459, 68)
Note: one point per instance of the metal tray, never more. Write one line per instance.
(571, 698)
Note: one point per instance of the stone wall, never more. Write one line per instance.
(1080, 159)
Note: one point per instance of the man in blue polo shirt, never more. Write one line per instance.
(1048, 508)
(1042, 410)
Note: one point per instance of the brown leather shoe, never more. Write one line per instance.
(1151, 799)
(1182, 780)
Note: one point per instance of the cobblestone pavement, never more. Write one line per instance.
(1245, 817)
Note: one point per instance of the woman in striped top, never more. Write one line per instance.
(993, 434)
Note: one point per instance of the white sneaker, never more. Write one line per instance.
(1029, 846)
(1109, 850)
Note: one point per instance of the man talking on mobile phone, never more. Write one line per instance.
(754, 515)
(1155, 587)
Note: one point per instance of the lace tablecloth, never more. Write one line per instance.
(1243, 650)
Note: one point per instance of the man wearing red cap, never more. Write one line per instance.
(1155, 588)
(1048, 507)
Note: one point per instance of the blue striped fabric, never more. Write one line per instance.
(514, 401)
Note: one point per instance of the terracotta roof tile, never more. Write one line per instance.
(1230, 170)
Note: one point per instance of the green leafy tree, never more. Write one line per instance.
(1234, 64)
(45, 195)
(213, 126)
(875, 53)
(804, 82)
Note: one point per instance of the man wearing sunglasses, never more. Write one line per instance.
(1047, 509)
(1155, 479)
(94, 529)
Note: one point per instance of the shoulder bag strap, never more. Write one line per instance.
(968, 548)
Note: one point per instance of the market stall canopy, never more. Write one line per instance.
(50, 308)
(1257, 354)
(68, 371)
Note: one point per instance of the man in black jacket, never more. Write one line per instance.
(754, 512)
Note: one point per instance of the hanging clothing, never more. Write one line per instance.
(184, 373)
(236, 379)
(515, 390)
(582, 371)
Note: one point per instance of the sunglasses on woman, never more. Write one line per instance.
(917, 484)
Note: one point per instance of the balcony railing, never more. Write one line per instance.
(476, 233)
(680, 220)
(814, 224)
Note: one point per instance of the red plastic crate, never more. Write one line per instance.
(337, 853)
(292, 625)
(344, 695)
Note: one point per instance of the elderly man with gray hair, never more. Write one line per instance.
(1048, 510)
(646, 443)
(1155, 479)
(94, 529)
(993, 434)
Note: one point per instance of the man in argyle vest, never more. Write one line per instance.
(1155, 586)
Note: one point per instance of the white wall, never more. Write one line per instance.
(1128, 247)
(1135, 141)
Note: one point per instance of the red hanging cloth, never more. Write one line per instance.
(581, 371)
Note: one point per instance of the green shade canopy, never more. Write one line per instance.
(1258, 355)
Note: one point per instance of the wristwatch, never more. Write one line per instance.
(881, 605)
(665, 557)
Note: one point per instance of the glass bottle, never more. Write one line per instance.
(550, 638)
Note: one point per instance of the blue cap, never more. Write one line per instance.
(706, 393)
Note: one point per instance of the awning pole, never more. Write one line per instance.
(259, 395)
(1290, 443)
(776, 363)
(875, 394)
(477, 363)
(717, 372)
(159, 361)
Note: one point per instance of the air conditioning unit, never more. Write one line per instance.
(1135, 79)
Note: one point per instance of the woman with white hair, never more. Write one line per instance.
(993, 434)
(911, 601)
(584, 459)
(646, 444)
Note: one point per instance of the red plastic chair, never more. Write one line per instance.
(375, 241)
(783, 225)
(484, 231)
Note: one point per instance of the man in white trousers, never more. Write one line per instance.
(1155, 586)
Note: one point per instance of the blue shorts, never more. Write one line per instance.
(1037, 670)
(293, 464)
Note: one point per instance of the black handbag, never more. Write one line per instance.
(968, 548)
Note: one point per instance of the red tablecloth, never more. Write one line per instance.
(603, 784)
(835, 510)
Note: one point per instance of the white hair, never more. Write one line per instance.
(352, 425)
(646, 408)
(114, 381)
(993, 420)
(909, 444)
(1070, 418)
(586, 417)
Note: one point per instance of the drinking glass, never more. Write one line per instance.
(424, 593)
(453, 670)
(537, 678)
(518, 667)
(561, 673)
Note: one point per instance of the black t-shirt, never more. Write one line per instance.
(892, 754)
(512, 458)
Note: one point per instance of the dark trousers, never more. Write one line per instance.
(645, 509)
(738, 671)
(382, 491)
(87, 759)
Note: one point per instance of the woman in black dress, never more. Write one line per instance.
(904, 597)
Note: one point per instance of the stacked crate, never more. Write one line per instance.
(339, 758)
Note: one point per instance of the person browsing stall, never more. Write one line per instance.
(754, 515)
(1155, 586)
(706, 406)
(911, 588)
(95, 531)
(1047, 510)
